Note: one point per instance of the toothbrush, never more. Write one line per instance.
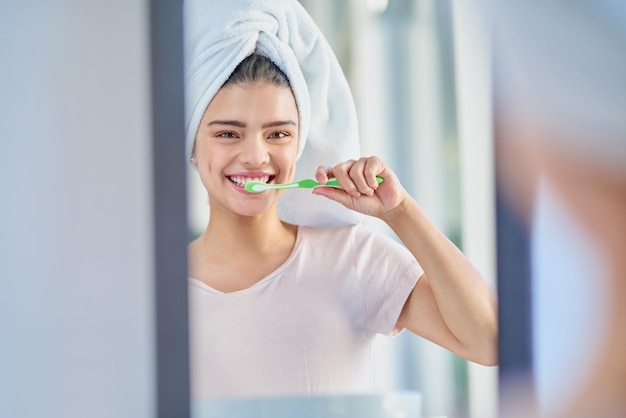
(259, 186)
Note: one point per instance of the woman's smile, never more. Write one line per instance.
(249, 132)
(240, 180)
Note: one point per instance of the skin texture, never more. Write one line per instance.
(451, 304)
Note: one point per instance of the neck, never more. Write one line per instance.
(234, 234)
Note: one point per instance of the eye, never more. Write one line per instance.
(279, 136)
(226, 135)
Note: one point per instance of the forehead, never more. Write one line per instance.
(254, 98)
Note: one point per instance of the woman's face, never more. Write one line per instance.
(248, 132)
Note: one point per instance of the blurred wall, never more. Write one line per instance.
(76, 285)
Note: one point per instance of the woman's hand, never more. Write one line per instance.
(360, 190)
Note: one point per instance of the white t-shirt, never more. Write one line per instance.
(306, 328)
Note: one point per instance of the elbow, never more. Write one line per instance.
(485, 350)
(484, 357)
(488, 354)
(487, 360)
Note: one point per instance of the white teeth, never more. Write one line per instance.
(241, 181)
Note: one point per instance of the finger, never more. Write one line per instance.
(322, 173)
(338, 195)
(357, 174)
(373, 167)
(342, 173)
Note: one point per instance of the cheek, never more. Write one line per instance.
(210, 154)
(210, 162)
(288, 158)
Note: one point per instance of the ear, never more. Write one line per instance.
(192, 159)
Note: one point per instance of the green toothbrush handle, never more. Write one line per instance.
(334, 183)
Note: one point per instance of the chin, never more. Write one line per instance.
(251, 210)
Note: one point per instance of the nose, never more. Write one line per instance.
(255, 151)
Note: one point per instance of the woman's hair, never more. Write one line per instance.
(257, 68)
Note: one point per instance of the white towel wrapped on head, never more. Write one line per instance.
(219, 34)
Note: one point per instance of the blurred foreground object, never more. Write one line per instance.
(561, 137)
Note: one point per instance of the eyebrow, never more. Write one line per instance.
(227, 122)
(240, 124)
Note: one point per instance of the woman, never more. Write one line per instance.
(278, 308)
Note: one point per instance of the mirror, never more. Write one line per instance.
(418, 110)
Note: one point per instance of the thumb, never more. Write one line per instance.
(338, 195)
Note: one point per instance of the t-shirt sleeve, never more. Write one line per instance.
(387, 273)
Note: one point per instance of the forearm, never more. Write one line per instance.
(466, 303)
